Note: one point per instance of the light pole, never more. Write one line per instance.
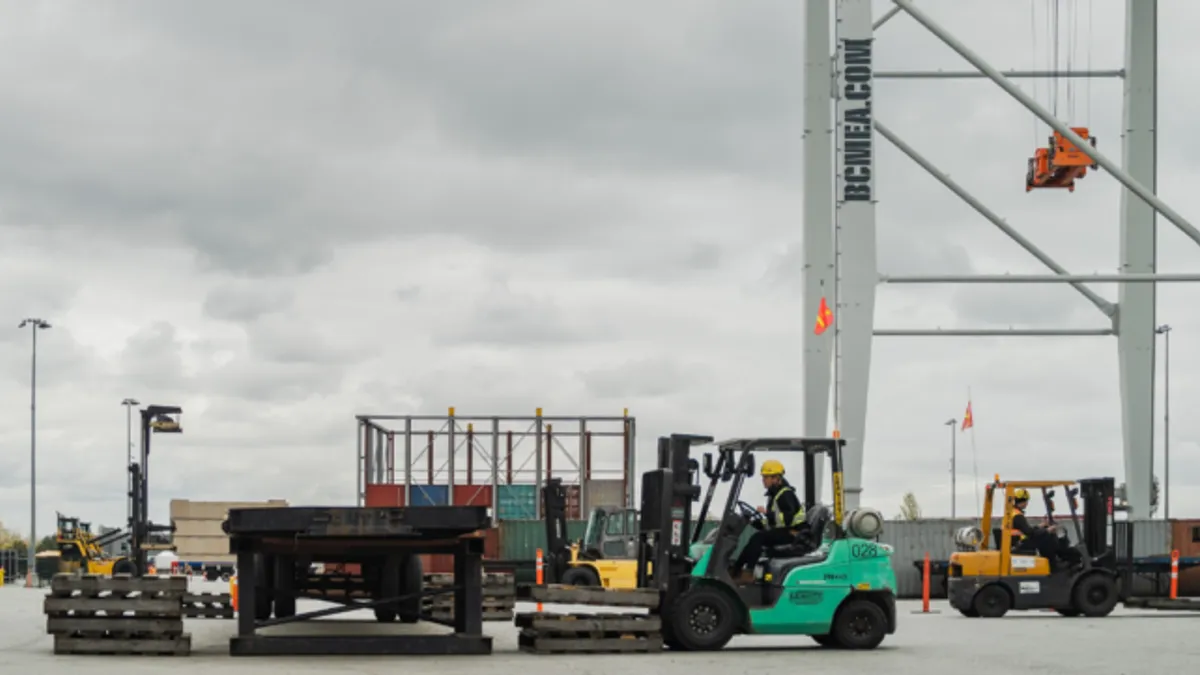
(953, 467)
(129, 404)
(1165, 330)
(34, 326)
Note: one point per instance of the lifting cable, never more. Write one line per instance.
(1060, 24)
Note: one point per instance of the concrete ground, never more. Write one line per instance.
(1125, 643)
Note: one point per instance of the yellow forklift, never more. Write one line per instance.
(605, 556)
(81, 550)
(994, 572)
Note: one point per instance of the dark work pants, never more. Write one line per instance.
(1049, 546)
(758, 541)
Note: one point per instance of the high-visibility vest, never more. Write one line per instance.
(797, 520)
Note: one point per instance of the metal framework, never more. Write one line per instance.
(486, 450)
(839, 225)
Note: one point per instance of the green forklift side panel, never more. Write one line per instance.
(812, 593)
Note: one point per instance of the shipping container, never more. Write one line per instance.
(193, 527)
(183, 509)
(200, 548)
(574, 506)
(604, 492)
(473, 495)
(1185, 538)
(384, 495)
(429, 495)
(444, 564)
(516, 502)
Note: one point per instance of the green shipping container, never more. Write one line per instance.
(520, 539)
(516, 502)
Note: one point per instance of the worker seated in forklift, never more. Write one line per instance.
(782, 522)
(1045, 540)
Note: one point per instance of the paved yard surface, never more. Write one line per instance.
(1125, 643)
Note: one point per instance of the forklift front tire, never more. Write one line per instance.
(1095, 595)
(581, 576)
(123, 566)
(704, 619)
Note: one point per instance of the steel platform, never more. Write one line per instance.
(276, 546)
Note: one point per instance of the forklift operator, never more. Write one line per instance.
(1044, 539)
(784, 518)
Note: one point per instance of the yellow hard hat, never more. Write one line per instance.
(1021, 495)
(772, 467)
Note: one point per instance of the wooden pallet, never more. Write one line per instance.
(494, 609)
(93, 614)
(489, 579)
(120, 595)
(180, 645)
(208, 606)
(601, 633)
(589, 595)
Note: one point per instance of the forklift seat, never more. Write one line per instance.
(803, 551)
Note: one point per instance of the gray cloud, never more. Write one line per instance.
(279, 215)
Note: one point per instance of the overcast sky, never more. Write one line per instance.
(280, 214)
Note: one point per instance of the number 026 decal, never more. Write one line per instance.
(864, 550)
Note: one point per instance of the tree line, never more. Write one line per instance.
(13, 541)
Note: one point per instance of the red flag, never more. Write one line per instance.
(824, 317)
(968, 418)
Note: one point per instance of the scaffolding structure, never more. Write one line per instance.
(495, 450)
(839, 237)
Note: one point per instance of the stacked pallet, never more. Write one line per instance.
(208, 606)
(499, 597)
(93, 614)
(589, 632)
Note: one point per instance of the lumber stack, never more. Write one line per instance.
(601, 632)
(94, 614)
(499, 597)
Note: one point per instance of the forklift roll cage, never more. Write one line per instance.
(1091, 535)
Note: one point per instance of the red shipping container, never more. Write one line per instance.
(472, 495)
(1185, 538)
(437, 564)
(491, 543)
(384, 495)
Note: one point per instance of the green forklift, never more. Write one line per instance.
(834, 583)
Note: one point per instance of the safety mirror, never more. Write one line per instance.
(708, 464)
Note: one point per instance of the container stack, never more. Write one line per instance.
(602, 632)
(93, 614)
(499, 597)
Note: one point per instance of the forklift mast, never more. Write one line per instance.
(665, 528)
(1098, 520)
(554, 513)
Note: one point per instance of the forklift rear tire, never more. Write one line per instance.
(385, 614)
(969, 612)
(991, 602)
(1095, 595)
(1067, 611)
(581, 576)
(704, 620)
(859, 624)
(826, 641)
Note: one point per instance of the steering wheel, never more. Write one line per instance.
(750, 513)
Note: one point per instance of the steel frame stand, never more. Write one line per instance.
(852, 152)
(268, 543)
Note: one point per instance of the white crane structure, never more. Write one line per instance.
(839, 232)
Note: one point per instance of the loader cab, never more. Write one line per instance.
(611, 532)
